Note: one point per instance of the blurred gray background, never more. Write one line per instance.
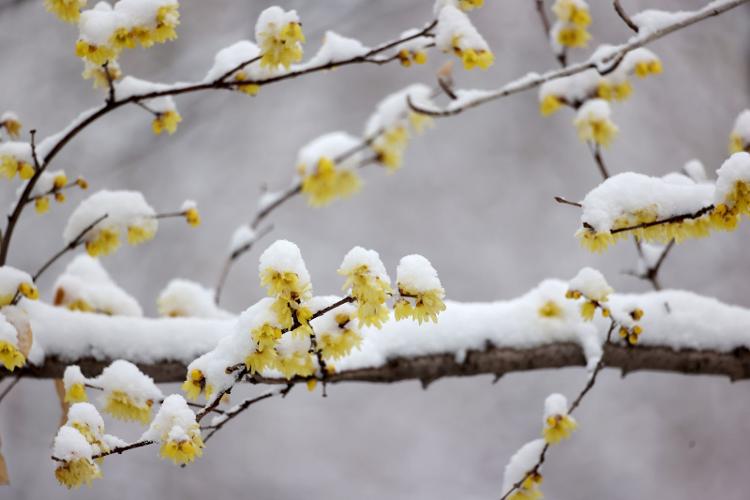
(475, 197)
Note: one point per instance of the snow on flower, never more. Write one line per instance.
(591, 285)
(74, 384)
(389, 126)
(175, 427)
(16, 158)
(368, 283)
(86, 286)
(129, 394)
(283, 273)
(739, 139)
(336, 331)
(11, 123)
(190, 299)
(239, 62)
(558, 425)
(455, 33)
(85, 418)
(569, 30)
(336, 48)
(77, 466)
(521, 470)
(11, 356)
(120, 212)
(732, 194)
(16, 282)
(420, 292)
(413, 51)
(294, 357)
(279, 35)
(327, 167)
(594, 124)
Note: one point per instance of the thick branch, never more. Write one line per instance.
(498, 361)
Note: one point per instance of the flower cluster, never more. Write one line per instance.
(414, 51)
(327, 167)
(76, 466)
(573, 18)
(105, 31)
(368, 282)
(594, 124)
(279, 35)
(522, 477)
(455, 33)
(67, 10)
(74, 385)
(128, 394)
(629, 330)
(117, 212)
(673, 207)
(51, 185)
(420, 292)
(12, 354)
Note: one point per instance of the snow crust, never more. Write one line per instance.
(70, 445)
(284, 256)
(187, 298)
(414, 272)
(455, 27)
(122, 208)
(335, 48)
(172, 422)
(521, 463)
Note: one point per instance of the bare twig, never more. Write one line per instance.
(10, 387)
(624, 16)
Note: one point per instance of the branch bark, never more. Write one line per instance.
(498, 361)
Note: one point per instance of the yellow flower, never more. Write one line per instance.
(139, 234)
(266, 336)
(60, 197)
(569, 11)
(573, 36)
(76, 393)
(588, 309)
(12, 127)
(99, 75)
(529, 489)
(25, 171)
(327, 182)
(470, 4)
(8, 166)
(406, 57)
(550, 309)
(259, 360)
(724, 218)
(736, 144)
(284, 284)
(120, 405)
(106, 241)
(28, 290)
(183, 450)
(558, 427)
(645, 68)
(370, 292)
(600, 130)
(419, 121)
(80, 305)
(82, 183)
(75, 473)
(10, 356)
(67, 10)
(594, 241)
(97, 54)
(166, 121)
(335, 346)
(472, 58)
(167, 19)
(281, 46)
(250, 89)
(427, 305)
(549, 105)
(390, 146)
(195, 384)
(192, 216)
(619, 91)
(295, 364)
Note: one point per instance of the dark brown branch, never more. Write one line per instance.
(492, 360)
(624, 16)
(669, 220)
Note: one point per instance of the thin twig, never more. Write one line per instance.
(10, 387)
(624, 16)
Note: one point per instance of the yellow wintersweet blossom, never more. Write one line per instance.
(335, 346)
(96, 54)
(99, 74)
(76, 393)
(407, 57)
(529, 489)
(75, 473)
(618, 91)
(281, 46)
(736, 144)
(120, 405)
(10, 357)
(28, 290)
(724, 218)
(645, 68)
(570, 11)
(259, 360)
(558, 427)
(284, 284)
(10, 166)
(588, 308)
(426, 307)
(67, 10)
(599, 130)
(390, 147)
(139, 234)
(370, 293)
(327, 182)
(631, 335)
(250, 89)
(550, 309)
(106, 241)
(183, 449)
(195, 384)
(12, 127)
(573, 36)
(472, 58)
(166, 121)
(167, 19)
(595, 241)
(266, 336)
(550, 104)
(467, 5)
(295, 364)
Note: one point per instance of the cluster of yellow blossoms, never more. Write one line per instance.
(594, 124)
(572, 20)
(391, 143)
(280, 37)
(15, 160)
(127, 29)
(455, 33)
(558, 425)
(406, 57)
(471, 57)
(59, 183)
(631, 333)
(67, 10)
(121, 405)
(11, 124)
